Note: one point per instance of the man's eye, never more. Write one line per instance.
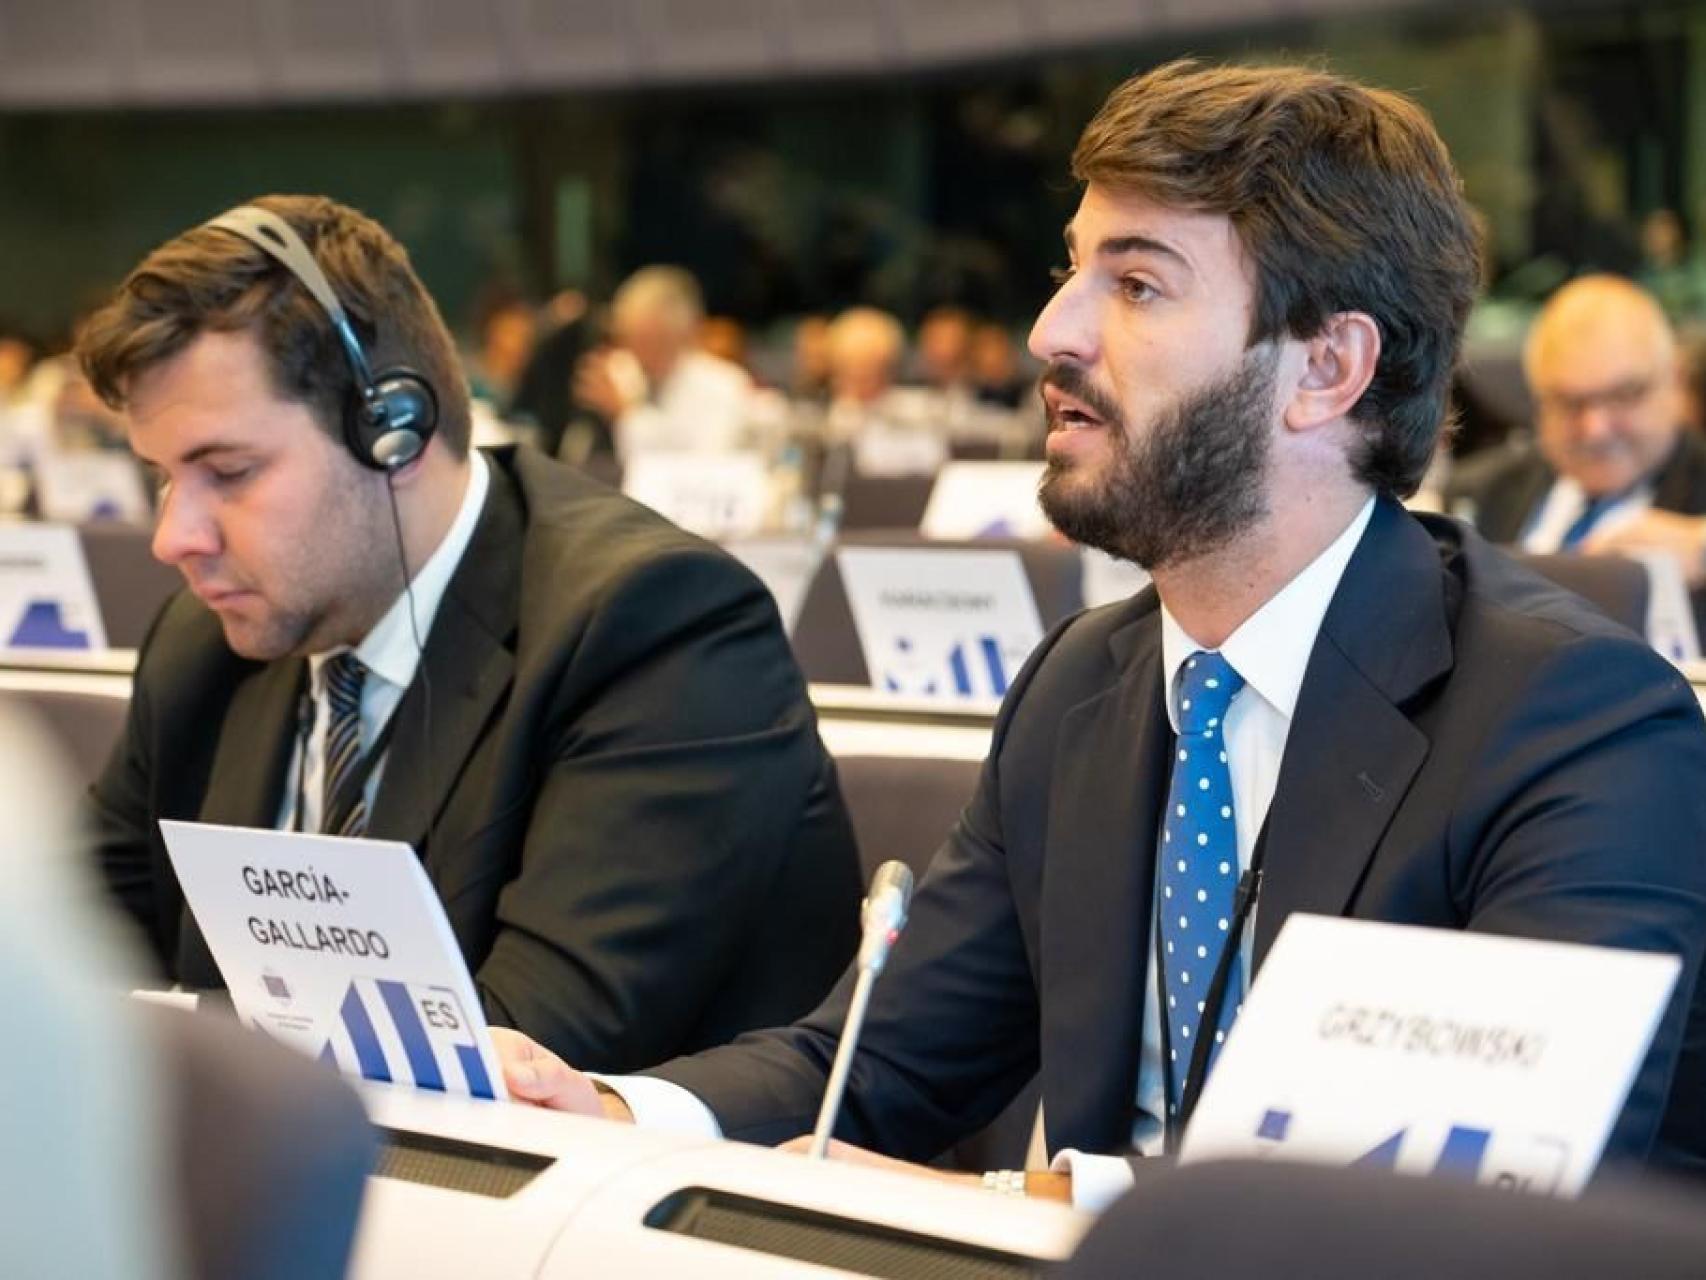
(230, 475)
(1137, 290)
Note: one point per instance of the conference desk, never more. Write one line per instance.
(68, 662)
(476, 1188)
(857, 721)
(853, 720)
(668, 1208)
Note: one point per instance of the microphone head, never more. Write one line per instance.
(893, 877)
(884, 913)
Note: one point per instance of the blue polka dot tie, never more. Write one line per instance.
(1199, 864)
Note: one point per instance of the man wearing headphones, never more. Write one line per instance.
(587, 722)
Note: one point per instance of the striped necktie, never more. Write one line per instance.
(343, 811)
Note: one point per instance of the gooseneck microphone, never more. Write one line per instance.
(881, 920)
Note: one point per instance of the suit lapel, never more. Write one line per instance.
(1109, 783)
(246, 785)
(469, 664)
(1352, 753)
(1681, 483)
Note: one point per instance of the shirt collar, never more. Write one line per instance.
(1571, 493)
(388, 650)
(1271, 648)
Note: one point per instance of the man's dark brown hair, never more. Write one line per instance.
(211, 281)
(1344, 199)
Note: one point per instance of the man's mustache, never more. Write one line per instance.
(1070, 379)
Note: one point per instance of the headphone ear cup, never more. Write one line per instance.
(391, 428)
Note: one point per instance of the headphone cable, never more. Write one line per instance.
(420, 660)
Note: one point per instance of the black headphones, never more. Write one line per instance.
(397, 411)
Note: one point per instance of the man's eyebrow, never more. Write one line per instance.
(1118, 246)
(213, 448)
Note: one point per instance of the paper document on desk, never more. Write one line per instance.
(341, 948)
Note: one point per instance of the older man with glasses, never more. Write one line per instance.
(1611, 467)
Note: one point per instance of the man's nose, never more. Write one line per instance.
(1066, 327)
(184, 530)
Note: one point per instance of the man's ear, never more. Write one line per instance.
(1339, 363)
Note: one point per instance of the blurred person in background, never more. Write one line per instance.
(1691, 358)
(944, 350)
(1479, 421)
(22, 421)
(63, 455)
(995, 375)
(1611, 467)
(810, 378)
(18, 354)
(890, 429)
(82, 421)
(865, 348)
(1673, 274)
(544, 398)
(943, 367)
(725, 338)
(506, 331)
(658, 389)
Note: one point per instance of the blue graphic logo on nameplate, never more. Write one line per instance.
(405, 1033)
(43, 626)
(1521, 1162)
(973, 665)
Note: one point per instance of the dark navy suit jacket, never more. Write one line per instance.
(619, 792)
(1472, 748)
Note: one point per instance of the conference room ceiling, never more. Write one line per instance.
(105, 53)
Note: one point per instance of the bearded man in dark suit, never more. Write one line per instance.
(1323, 704)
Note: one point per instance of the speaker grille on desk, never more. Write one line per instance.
(456, 1166)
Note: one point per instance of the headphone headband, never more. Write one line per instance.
(398, 411)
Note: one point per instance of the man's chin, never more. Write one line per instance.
(1074, 506)
(258, 641)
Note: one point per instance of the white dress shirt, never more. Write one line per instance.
(388, 653)
(1564, 503)
(1271, 651)
(701, 407)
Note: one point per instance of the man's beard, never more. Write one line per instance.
(1188, 484)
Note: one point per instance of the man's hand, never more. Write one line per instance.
(1045, 1186)
(535, 1074)
(597, 387)
(1682, 537)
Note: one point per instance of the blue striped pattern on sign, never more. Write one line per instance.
(401, 1033)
